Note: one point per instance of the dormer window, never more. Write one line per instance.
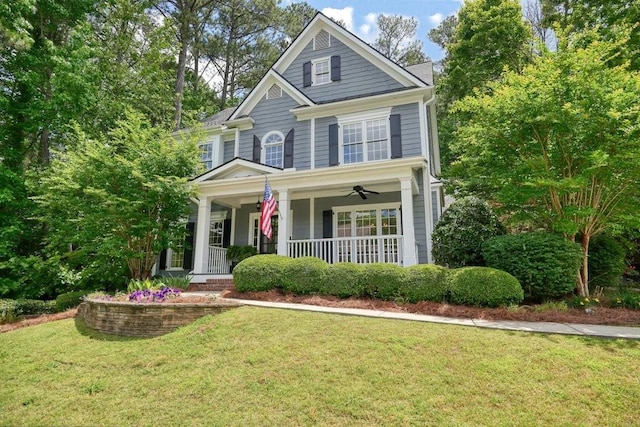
(273, 144)
(321, 71)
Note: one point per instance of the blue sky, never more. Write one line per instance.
(360, 16)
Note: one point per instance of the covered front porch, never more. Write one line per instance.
(318, 214)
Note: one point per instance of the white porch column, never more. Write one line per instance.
(283, 221)
(201, 249)
(408, 231)
(428, 211)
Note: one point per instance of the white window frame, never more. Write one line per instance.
(255, 216)
(215, 147)
(170, 254)
(263, 157)
(206, 147)
(378, 207)
(362, 119)
(314, 74)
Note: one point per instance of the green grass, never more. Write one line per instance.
(256, 367)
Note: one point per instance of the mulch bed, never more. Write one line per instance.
(31, 320)
(597, 316)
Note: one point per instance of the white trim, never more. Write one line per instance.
(428, 213)
(232, 237)
(312, 143)
(170, 259)
(364, 115)
(424, 130)
(314, 74)
(314, 40)
(378, 207)
(312, 216)
(237, 163)
(362, 119)
(263, 144)
(236, 147)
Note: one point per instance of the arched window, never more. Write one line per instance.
(273, 144)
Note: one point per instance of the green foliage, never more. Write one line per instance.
(125, 197)
(460, 232)
(627, 299)
(36, 278)
(69, 300)
(545, 264)
(10, 309)
(141, 285)
(173, 282)
(425, 282)
(237, 253)
(304, 275)
(344, 280)
(483, 286)
(606, 261)
(260, 273)
(397, 39)
(383, 281)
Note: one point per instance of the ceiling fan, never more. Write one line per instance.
(361, 191)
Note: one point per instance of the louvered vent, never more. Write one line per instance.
(275, 91)
(322, 40)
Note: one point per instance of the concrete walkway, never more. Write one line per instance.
(544, 327)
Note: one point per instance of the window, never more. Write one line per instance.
(273, 143)
(216, 233)
(365, 138)
(175, 258)
(206, 154)
(321, 70)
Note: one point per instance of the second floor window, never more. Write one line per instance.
(321, 71)
(206, 155)
(365, 140)
(273, 144)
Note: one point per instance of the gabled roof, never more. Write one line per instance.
(236, 167)
(322, 22)
(272, 77)
(218, 118)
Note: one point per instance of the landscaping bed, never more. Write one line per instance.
(527, 313)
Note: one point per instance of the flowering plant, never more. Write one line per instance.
(148, 295)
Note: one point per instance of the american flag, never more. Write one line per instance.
(268, 208)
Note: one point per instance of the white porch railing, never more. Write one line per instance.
(218, 263)
(361, 250)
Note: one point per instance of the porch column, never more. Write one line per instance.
(201, 249)
(283, 221)
(408, 230)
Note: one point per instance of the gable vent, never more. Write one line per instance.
(275, 91)
(322, 40)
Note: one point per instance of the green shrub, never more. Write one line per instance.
(626, 299)
(425, 282)
(304, 275)
(545, 264)
(382, 281)
(606, 262)
(141, 285)
(260, 273)
(69, 300)
(460, 232)
(343, 280)
(483, 286)
(8, 311)
(179, 282)
(26, 307)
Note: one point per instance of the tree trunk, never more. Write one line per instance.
(583, 276)
(182, 65)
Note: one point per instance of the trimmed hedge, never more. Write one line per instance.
(425, 282)
(606, 261)
(260, 273)
(69, 300)
(11, 309)
(304, 275)
(483, 286)
(343, 280)
(382, 281)
(545, 264)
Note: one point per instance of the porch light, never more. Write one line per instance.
(258, 205)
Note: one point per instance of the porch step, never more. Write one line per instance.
(211, 285)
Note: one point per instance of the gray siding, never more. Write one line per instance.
(419, 220)
(229, 149)
(410, 119)
(301, 218)
(273, 115)
(322, 141)
(358, 76)
(242, 223)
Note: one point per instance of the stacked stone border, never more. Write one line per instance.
(146, 319)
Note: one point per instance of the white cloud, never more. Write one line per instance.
(436, 18)
(364, 29)
(371, 18)
(345, 15)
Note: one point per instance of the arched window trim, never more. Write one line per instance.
(266, 144)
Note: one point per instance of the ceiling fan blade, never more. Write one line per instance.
(371, 191)
(350, 194)
(362, 195)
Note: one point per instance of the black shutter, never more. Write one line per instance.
(288, 150)
(163, 260)
(396, 136)
(335, 68)
(327, 224)
(333, 145)
(257, 147)
(226, 233)
(188, 247)
(306, 74)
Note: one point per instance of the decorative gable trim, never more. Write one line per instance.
(322, 40)
(321, 22)
(236, 164)
(274, 92)
(260, 91)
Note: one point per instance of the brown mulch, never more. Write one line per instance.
(597, 316)
(36, 320)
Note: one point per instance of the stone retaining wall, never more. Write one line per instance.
(145, 319)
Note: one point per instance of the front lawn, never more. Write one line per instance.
(256, 366)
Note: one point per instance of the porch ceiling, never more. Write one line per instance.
(325, 182)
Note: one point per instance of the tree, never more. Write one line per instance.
(558, 146)
(445, 33)
(122, 197)
(396, 40)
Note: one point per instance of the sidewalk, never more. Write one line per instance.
(544, 327)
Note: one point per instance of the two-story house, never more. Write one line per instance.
(348, 141)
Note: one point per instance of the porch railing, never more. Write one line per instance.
(361, 250)
(218, 263)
